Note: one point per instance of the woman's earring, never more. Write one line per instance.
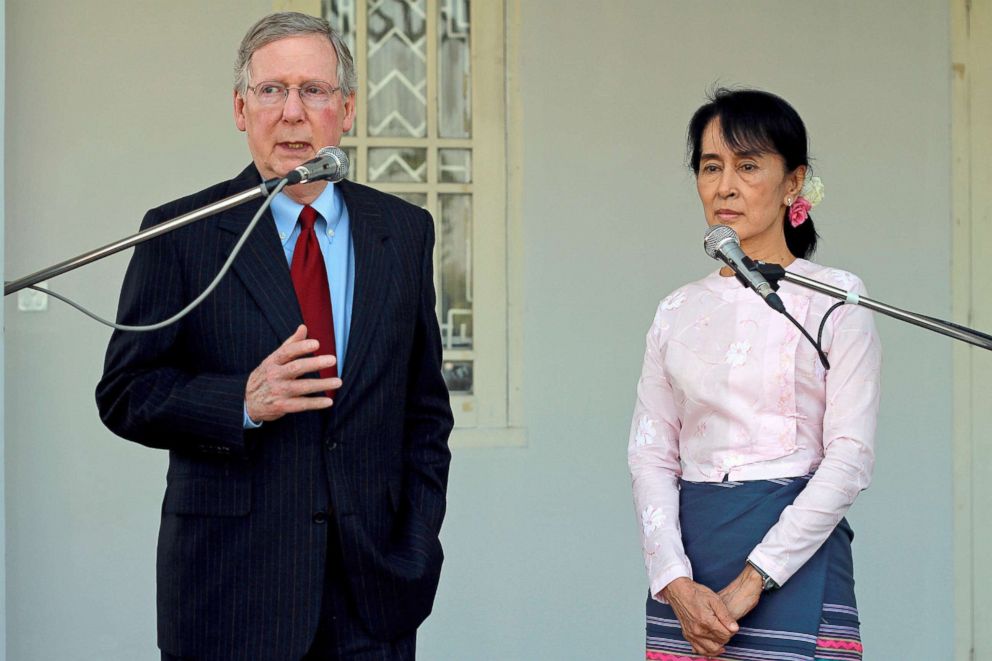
(788, 201)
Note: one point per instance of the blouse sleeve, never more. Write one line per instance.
(850, 412)
(653, 458)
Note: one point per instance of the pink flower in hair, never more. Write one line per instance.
(799, 211)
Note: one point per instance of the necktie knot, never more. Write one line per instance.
(307, 218)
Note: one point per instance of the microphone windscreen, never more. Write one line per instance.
(338, 163)
(716, 236)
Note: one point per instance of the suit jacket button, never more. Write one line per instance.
(320, 517)
(331, 445)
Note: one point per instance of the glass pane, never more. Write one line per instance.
(416, 199)
(397, 63)
(458, 375)
(454, 99)
(456, 165)
(341, 15)
(456, 270)
(397, 164)
(352, 162)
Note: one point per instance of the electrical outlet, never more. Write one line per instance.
(29, 300)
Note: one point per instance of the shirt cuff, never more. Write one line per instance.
(776, 571)
(661, 581)
(248, 422)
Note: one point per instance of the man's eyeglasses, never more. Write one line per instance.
(314, 94)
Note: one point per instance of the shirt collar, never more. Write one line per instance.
(286, 211)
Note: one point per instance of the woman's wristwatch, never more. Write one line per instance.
(767, 582)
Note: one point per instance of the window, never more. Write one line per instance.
(431, 128)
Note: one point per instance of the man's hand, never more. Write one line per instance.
(742, 594)
(706, 623)
(276, 388)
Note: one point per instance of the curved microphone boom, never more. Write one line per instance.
(331, 163)
(721, 243)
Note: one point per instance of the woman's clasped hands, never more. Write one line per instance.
(709, 619)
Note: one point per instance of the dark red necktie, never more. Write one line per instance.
(310, 282)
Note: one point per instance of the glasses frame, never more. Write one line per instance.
(332, 90)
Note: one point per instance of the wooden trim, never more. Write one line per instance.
(971, 135)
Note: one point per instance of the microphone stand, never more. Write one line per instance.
(774, 273)
(262, 190)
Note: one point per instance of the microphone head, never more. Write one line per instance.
(716, 236)
(334, 166)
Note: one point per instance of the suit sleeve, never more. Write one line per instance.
(427, 418)
(150, 392)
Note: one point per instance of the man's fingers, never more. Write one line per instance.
(304, 387)
(294, 369)
(300, 404)
(299, 334)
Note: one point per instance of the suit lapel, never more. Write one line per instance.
(368, 232)
(261, 264)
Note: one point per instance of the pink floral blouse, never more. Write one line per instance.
(730, 389)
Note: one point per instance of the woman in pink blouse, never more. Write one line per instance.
(745, 451)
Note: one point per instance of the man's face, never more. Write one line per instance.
(282, 136)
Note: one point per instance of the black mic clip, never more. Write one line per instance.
(773, 272)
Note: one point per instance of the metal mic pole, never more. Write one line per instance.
(261, 190)
(775, 272)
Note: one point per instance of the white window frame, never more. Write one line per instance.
(492, 414)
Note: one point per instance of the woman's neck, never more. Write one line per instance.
(771, 254)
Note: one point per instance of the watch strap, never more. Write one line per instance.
(767, 582)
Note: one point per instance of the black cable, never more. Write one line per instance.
(823, 322)
(195, 302)
(816, 345)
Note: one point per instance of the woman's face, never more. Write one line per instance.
(746, 191)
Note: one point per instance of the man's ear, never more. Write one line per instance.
(239, 111)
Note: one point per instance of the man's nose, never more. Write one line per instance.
(293, 109)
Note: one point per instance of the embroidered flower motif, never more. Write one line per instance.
(674, 301)
(842, 278)
(737, 353)
(652, 518)
(732, 460)
(645, 432)
(659, 326)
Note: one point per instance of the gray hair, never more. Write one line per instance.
(291, 24)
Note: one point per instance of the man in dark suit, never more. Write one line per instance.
(303, 505)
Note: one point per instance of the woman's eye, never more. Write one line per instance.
(749, 167)
(710, 168)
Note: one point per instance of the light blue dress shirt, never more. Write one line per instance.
(333, 228)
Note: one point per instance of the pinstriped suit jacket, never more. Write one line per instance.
(241, 554)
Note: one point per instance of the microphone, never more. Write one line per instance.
(721, 243)
(331, 163)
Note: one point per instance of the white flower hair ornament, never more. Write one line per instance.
(810, 195)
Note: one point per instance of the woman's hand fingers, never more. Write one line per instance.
(707, 624)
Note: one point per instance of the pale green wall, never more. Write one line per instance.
(542, 553)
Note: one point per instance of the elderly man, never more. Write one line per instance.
(302, 404)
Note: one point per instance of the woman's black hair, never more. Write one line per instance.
(752, 120)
